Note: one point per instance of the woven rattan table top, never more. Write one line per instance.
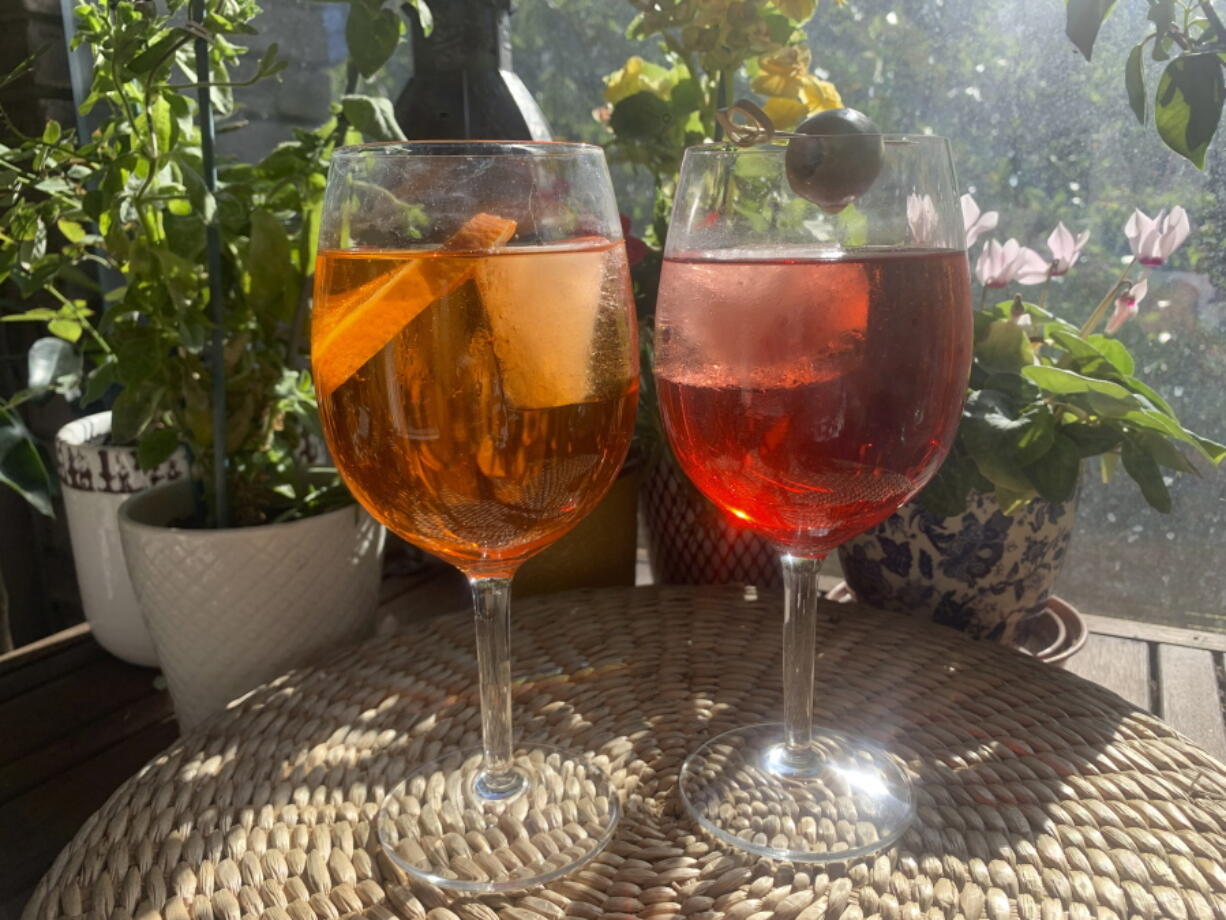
(1040, 794)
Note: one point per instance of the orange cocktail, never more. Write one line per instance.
(489, 424)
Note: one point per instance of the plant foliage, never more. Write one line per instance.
(130, 202)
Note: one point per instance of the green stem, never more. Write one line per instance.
(1105, 304)
(1046, 287)
(983, 296)
(85, 323)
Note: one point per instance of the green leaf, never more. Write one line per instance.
(21, 464)
(67, 329)
(134, 409)
(1144, 470)
(424, 15)
(1037, 437)
(1082, 21)
(852, 225)
(140, 353)
(1149, 393)
(373, 116)
(1164, 452)
(1092, 440)
(1107, 406)
(1115, 352)
(1213, 450)
(989, 431)
(686, 97)
(156, 447)
(145, 61)
(1064, 383)
(275, 281)
(946, 492)
(1134, 81)
(1004, 349)
(165, 126)
(1055, 474)
(642, 117)
(372, 34)
(101, 379)
(36, 315)
(1071, 342)
(780, 28)
(1162, 15)
(1188, 105)
(271, 63)
(73, 232)
(1153, 420)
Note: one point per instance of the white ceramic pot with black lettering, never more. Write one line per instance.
(95, 478)
(231, 608)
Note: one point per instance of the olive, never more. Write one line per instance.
(833, 174)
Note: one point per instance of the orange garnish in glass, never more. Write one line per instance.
(370, 316)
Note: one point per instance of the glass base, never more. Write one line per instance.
(844, 799)
(443, 825)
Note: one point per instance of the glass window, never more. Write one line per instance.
(1041, 136)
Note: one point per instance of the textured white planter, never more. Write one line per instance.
(230, 609)
(96, 478)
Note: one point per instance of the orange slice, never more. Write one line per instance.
(370, 316)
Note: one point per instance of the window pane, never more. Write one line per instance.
(1042, 136)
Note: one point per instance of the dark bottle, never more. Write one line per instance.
(463, 85)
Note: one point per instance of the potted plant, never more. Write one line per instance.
(653, 112)
(981, 546)
(180, 289)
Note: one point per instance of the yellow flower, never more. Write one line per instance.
(625, 82)
(782, 72)
(820, 95)
(799, 10)
(794, 92)
(785, 114)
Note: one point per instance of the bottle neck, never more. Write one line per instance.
(468, 35)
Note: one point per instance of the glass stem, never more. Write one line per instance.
(492, 612)
(799, 627)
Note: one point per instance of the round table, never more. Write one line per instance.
(1039, 794)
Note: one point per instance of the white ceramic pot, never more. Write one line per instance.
(232, 608)
(95, 479)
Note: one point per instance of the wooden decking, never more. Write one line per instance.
(1174, 673)
(75, 722)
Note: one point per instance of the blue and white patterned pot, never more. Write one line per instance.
(982, 572)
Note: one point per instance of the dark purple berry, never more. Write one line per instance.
(833, 174)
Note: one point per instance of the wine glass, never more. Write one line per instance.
(813, 337)
(474, 352)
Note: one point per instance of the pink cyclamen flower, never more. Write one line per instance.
(922, 219)
(1065, 250)
(1126, 305)
(1153, 240)
(998, 264)
(974, 222)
